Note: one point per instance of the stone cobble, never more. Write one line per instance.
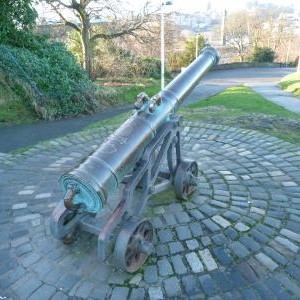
(238, 237)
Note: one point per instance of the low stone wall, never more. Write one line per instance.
(249, 65)
(242, 65)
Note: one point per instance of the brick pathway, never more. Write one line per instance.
(238, 237)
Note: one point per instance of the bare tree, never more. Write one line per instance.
(115, 19)
(280, 36)
(236, 33)
(257, 30)
(173, 39)
(270, 28)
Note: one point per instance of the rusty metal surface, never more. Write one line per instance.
(105, 168)
(131, 161)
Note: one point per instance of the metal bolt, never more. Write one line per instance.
(152, 107)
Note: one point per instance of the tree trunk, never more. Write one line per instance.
(241, 53)
(87, 50)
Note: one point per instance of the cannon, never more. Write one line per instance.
(106, 194)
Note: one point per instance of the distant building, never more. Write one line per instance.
(210, 22)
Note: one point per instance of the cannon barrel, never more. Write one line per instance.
(90, 183)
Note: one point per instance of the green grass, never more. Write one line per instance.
(291, 83)
(127, 95)
(15, 113)
(240, 99)
(241, 107)
(237, 107)
(12, 109)
(126, 90)
(163, 198)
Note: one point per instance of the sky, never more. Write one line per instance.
(190, 6)
(231, 5)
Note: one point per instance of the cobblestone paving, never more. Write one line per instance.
(237, 238)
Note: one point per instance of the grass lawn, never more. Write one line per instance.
(126, 90)
(127, 95)
(241, 107)
(238, 107)
(291, 83)
(240, 99)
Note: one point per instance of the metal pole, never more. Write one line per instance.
(298, 69)
(162, 48)
(288, 53)
(196, 53)
(223, 40)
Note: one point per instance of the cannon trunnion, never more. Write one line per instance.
(131, 162)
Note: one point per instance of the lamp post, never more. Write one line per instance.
(196, 53)
(298, 69)
(197, 39)
(162, 43)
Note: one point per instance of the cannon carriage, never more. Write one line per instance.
(141, 158)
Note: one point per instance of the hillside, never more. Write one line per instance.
(12, 107)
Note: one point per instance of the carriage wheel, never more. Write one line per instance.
(134, 244)
(185, 179)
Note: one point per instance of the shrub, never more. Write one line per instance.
(183, 58)
(17, 18)
(108, 95)
(113, 61)
(144, 67)
(263, 55)
(65, 87)
(174, 61)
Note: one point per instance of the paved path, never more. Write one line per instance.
(20, 136)
(275, 94)
(213, 82)
(237, 238)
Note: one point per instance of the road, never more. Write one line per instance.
(15, 137)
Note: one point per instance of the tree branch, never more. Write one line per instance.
(50, 2)
(85, 3)
(130, 28)
(68, 23)
(108, 35)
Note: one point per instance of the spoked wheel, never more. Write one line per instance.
(63, 223)
(185, 179)
(134, 244)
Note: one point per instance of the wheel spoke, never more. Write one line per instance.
(137, 256)
(145, 229)
(127, 249)
(129, 260)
